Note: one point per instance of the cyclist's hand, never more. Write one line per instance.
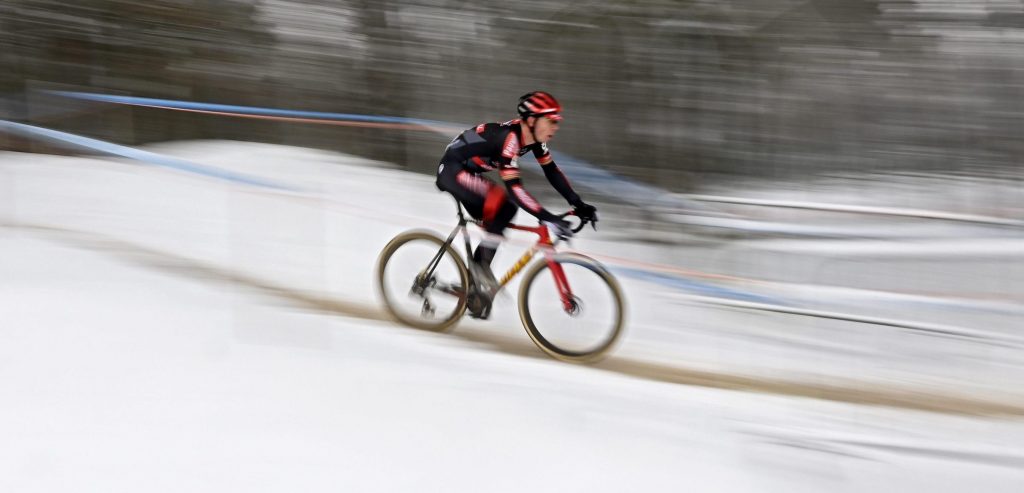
(586, 212)
(559, 227)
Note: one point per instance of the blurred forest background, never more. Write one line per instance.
(667, 92)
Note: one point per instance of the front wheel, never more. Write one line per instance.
(423, 281)
(586, 329)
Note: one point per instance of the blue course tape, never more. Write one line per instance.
(694, 287)
(246, 110)
(583, 173)
(140, 155)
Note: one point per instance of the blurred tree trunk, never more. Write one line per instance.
(385, 72)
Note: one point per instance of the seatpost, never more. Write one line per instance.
(461, 227)
(458, 207)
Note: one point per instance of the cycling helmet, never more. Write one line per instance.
(539, 103)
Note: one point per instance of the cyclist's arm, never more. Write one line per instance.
(509, 171)
(554, 174)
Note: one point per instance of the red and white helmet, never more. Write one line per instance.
(539, 103)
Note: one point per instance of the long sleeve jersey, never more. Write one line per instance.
(497, 146)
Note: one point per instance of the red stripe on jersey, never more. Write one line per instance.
(545, 159)
(473, 183)
(511, 147)
(507, 173)
(526, 199)
(481, 163)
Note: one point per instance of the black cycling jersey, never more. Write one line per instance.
(497, 146)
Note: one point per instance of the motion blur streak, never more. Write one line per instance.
(814, 208)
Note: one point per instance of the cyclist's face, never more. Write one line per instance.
(544, 129)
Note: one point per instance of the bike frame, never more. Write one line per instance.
(544, 244)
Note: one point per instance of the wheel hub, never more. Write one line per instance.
(575, 306)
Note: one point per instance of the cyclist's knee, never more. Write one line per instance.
(500, 221)
(507, 212)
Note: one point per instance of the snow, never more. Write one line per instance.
(165, 331)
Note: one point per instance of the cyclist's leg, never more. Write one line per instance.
(482, 198)
(498, 212)
(488, 202)
(472, 191)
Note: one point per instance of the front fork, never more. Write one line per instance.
(561, 283)
(569, 303)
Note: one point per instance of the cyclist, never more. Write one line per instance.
(498, 146)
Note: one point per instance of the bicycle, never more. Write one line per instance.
(423, 272)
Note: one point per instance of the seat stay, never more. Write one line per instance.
(429, 269)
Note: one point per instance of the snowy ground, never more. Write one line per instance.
(165, 331)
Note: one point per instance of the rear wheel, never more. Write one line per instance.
(423, 281)
(592, 324)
